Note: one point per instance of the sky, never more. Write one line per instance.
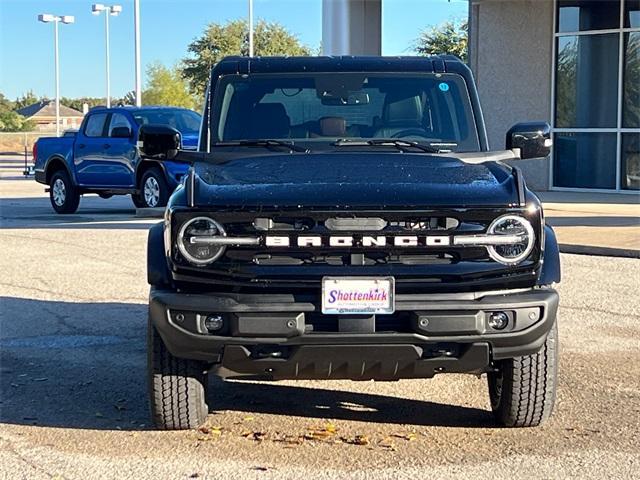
(166, 28)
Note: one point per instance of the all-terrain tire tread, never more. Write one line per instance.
(528, 388)
(177, 387)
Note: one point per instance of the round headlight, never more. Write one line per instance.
(515, 252)
(192, 240)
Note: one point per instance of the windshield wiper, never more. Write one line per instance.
(263, 142)
(402, 145)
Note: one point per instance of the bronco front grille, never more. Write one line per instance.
(301, 264)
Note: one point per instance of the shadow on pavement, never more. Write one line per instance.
(94, 213)
(320, 403)
(82, 365)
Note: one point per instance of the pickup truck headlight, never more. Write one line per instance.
(195, 240)
(513, 252)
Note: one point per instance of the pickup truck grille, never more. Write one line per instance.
(306, 246)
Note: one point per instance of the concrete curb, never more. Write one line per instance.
(157, 212)
(599, 251)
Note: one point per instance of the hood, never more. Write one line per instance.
(363, 179)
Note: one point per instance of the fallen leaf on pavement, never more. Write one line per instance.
(257, 436)
(290, 440)
(357, 440)
(321, 433)
(405, 436)
(387, 442)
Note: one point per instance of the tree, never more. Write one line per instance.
(232, 38)
(26, 99)
(447, 38)
(166, 86)
(11, 121)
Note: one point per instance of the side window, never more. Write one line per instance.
(95, 125)
(118, 120)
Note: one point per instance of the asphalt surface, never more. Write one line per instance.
(73, 395)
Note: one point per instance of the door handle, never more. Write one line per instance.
(106, 145)
(81, 145)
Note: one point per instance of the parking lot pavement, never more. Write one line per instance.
(73, 395)
(586, 222)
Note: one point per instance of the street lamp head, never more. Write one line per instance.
(96, 8)
(67, 19)
(116, 10)
(46, 17)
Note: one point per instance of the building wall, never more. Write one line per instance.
(510, 54)
(48, 124)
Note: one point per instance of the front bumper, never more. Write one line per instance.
(282, 336)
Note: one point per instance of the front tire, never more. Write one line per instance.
(177, 387)
(523, 390)
(153, 190)
(63, 194)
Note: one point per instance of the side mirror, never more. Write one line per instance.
(121, 132)
(532, 138)
(159, 141)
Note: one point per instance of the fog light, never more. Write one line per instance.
(213, 322)
(498, 320)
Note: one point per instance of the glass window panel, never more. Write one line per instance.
(632, 13)
(584, 160)
(95, 125)
(578, 15)
(118, 120)
(631, 86)
(630, 158)
(587, 81)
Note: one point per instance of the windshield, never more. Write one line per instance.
(433, 109)
(186, 122)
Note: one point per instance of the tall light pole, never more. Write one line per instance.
(109, 10)
(66, 19)
(251, 28)
(136, 29)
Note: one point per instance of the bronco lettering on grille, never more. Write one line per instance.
(336, 241)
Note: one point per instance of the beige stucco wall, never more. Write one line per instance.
(510, 54)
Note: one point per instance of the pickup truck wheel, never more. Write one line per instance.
(177, 387)
(63, 194)
(523, 390)
(153, 190)
(137, 201)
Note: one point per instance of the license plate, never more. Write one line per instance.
(358, 295)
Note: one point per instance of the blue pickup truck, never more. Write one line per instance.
(102, 157)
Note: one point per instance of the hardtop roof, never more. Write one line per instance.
(284, 64)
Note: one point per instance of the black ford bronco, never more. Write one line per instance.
(344, 218)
